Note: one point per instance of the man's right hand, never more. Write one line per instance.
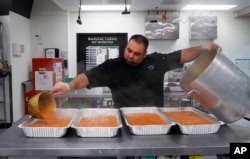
(60, 88)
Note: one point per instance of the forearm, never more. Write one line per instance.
(189, 54)
(80, 81)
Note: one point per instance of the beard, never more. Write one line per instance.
(130, 63)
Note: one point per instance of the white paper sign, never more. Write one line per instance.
(58, 71)
(43, 81)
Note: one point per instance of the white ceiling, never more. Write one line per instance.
(149, 5)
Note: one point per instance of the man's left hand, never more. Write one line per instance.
(210, 46)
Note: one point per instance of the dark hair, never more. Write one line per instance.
(138, 38)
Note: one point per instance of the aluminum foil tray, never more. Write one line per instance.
(195, 129)
(47, 131)
(97, 131)
(147, 129)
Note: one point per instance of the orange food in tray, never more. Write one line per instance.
(144, 119)
(100, 121)
(52, 120)
(188, 118)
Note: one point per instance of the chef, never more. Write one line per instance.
(137, 78)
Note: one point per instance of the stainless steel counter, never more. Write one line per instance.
(15, 143)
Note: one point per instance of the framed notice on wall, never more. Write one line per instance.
(94, 48)
(203, 27)
(157, 27)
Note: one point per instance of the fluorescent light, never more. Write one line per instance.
(208, 7)
(104, 7)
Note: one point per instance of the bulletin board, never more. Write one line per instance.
(95, 48)
(203, 27)
(158, 27)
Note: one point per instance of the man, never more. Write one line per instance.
(137, 78)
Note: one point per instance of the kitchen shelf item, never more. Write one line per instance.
(213, 127)
(97, 131)
(48, 131)
(147, 129)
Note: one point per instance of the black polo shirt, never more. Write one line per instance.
(133, 86)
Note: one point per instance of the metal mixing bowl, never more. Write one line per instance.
(43, 101)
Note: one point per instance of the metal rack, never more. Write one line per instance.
(2, 101)
(4, 74)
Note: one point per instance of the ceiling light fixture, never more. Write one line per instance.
(79, 14)
(126, 11)
(208, 7)
(103, 7)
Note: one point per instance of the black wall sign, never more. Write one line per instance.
(85, 40)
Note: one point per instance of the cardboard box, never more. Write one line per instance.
(46, 72)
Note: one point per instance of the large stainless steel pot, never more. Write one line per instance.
(219, 85)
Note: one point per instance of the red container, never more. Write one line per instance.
(46, 72)
(27, 96)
